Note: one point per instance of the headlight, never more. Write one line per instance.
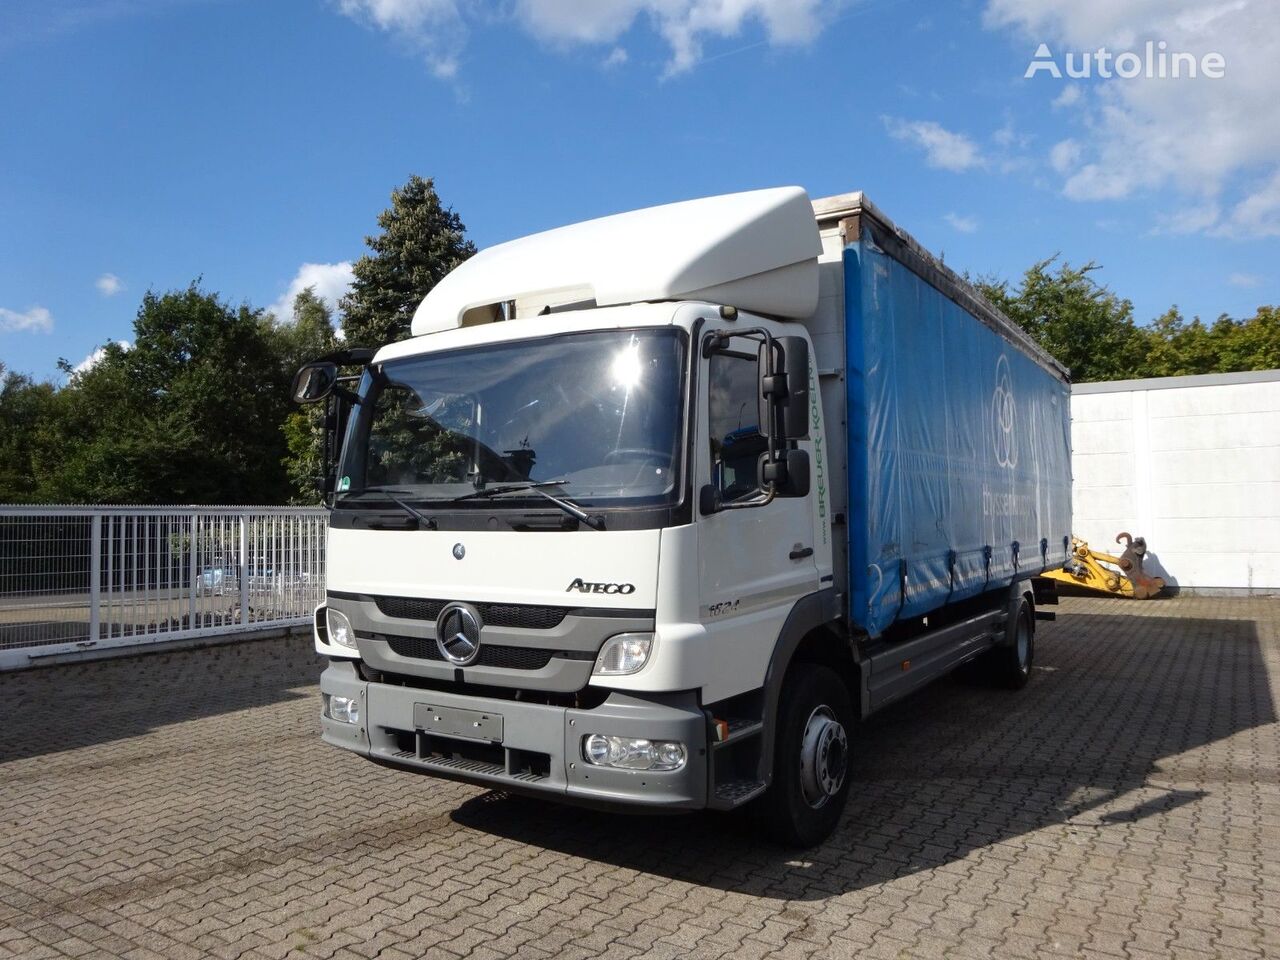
(623, 654)
(339, 628)
(344, 709)
(630, 753)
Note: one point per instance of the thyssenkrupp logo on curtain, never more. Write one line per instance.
(1004, 416)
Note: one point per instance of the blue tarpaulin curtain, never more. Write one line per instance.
(959, 448)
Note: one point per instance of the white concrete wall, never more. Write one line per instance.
(1190, 463)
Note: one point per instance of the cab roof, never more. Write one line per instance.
(756, 251)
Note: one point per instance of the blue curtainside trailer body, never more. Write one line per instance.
(959, 438)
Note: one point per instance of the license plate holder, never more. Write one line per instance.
(458, 723)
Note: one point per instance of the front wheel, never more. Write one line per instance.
(810, 757)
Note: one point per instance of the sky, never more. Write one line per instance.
(250, 144)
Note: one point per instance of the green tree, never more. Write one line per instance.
(192, 413)
(1092, 330)
(306, 334)
(89, 450)
(24, 406)
(1176, 347)
(310, 334)
(1250, 344)
(421, 240)
(1080, 322)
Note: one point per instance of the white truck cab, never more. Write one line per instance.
(584, 540)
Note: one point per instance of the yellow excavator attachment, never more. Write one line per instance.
(1092, 569)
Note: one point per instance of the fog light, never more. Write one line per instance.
(626, 653)
(344, 709)
(631, 753)
(340, 631)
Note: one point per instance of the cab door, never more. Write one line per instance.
(754, 563)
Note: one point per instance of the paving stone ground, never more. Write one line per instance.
(1126, 804)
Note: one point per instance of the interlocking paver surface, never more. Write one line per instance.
(1126, 804)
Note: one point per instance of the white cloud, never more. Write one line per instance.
(35, 320)
(1257, 215)
(92, 360)
(962, 224)
(330, 280)
(1111, 225)
(1213, 141)
(942, 147)
(1069, 96)
(434, 27)
(41, 20)
(616, 58)
(1244, 280)
(684, 24)
(1064, 155)
(439, 28)
(1010, 149)
(1189, 219)
(599, 21)
(109, 284)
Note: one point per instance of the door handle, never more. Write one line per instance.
(799, 553)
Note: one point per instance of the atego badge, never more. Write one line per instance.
(588, 586)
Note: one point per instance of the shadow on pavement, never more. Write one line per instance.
(77, 705)
(1116, 705)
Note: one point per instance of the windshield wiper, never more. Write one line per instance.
(418, 515)
(572, 509)
(486, 492)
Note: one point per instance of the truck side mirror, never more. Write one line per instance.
(789, 474)
(708, 500)
(793, 409)
(785, 394)
(797, 482)
(314, 381)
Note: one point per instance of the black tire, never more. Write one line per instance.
(1011, 662)
(815, 718)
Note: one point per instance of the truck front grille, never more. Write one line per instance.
(517, 615)
(491, 654)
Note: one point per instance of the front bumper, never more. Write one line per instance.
(529, 748)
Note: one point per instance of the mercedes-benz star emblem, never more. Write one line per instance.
(458, 633)
(459, 551)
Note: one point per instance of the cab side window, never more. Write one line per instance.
(733, 413)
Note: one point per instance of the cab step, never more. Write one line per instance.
(734, 793)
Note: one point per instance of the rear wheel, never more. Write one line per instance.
(810, 757)
(1011, 662)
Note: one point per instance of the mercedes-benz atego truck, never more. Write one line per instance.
(650, 511)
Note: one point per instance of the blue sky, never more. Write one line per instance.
(146, 143)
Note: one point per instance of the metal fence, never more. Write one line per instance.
(81, 578)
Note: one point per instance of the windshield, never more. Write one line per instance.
(600, 414)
